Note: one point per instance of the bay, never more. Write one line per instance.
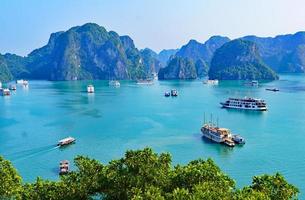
(113, 120)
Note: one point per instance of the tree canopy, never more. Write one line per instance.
(143, 174)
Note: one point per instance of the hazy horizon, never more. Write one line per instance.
(27, 25)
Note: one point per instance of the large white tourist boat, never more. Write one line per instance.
(245, 104)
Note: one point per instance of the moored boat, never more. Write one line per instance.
(63, 167)
(90, 89)
(174, 93)
(272, 89)
(114, 83)
(238, 139)
(145, 82)
(5, 92)
(25, 83)
(245, 104)
(20, 81)
(167, 94)
(220, 135)
(211, 82)
(252, 83)
(0, 84)
(66, 141)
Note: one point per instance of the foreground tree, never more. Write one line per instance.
(143, 175)
(10, 181)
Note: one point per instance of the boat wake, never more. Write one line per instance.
(21, 155)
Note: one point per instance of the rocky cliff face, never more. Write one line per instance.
(201, 54)
(151, 62)
(284, 53)
(165, 55)
(178, 68)
(5, 74)
(239, 60)
(86, 52)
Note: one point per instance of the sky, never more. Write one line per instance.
(158, 24)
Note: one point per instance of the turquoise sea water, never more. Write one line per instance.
(113, 120)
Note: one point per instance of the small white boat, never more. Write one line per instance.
(114, 83)
(0, 84)
(90, 89)
(211, 82)
(25, 83)
(66, 141)
(145, 82)
(20, 81)
(5, 92)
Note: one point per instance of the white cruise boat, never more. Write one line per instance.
(90, 89)
(245, 104)
(114, 83)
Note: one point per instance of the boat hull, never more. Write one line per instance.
(244, 108)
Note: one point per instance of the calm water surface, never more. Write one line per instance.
(113, 120)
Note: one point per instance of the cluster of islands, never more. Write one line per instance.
(91, 52)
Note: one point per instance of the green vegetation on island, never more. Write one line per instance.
(140, 175)
(239, 60)
(91, 52)
(283, 53)
(178, 68)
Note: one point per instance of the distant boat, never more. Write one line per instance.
(272, 89)
(245, 104)
(0, 84)
(90, 89)
(252, 83)
(25, 83)
(19, 81)
(145, 82)
(63, 167)
(66, 141)
(22, 82)
(5, 92)
(114, 83)
(220, 135)
(174, 93)
(12, 87)
(167, 94)
(211, 82)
